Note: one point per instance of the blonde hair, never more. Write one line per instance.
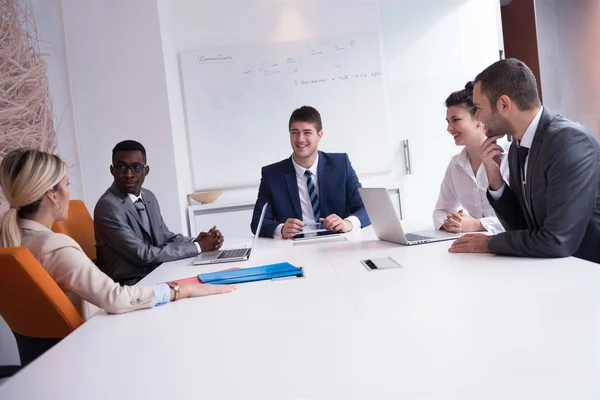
(26, 175)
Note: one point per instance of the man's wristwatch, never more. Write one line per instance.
(175, 287)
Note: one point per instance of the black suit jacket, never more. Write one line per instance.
(563, 192)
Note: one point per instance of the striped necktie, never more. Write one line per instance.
(312, 194)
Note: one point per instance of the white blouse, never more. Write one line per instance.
(462, 189)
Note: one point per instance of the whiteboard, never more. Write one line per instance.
(238, 101)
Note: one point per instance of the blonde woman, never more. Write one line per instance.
(35, 186)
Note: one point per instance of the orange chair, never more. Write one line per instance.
(34, 307)
(79, 226)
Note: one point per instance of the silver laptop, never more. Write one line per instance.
(229, 255)
(387, 225)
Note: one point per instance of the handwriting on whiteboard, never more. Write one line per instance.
(213, 59)
(340, 78)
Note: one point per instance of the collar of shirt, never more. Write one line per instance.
(529, 134)
(462, 159)
(133, 197)
(300, 170)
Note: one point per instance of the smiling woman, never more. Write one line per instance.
(462, 205)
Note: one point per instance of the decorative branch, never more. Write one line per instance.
(26, 116)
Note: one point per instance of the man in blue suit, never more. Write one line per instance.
(309, 188)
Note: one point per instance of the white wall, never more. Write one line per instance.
(430, 48)
(196, 25)
(183, 165)
(48, 18)
(126, 82)
(568, 35)
(119, 92)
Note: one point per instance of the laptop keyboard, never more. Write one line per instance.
(411, 237)
(233, 253)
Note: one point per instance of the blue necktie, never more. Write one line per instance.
(312, 194)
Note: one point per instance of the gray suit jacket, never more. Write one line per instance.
(123, 246)
(562, 191)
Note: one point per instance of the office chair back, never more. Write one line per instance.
(80, 227)
(34, 307)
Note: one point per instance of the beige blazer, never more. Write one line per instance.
(81, 280)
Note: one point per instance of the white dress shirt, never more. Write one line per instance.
(525, 141)
(135, 198)
(308, 215)
(462, 188)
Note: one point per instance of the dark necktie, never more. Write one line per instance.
(521, 156)
(312, 194)
(141, 209)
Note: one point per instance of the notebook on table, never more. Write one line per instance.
(271, 271)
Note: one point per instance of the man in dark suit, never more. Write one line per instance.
(551, 206)
(131, 236)
(309, 188)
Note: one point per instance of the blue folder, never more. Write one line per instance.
(270, 271)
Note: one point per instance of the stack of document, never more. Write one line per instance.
(270, 271)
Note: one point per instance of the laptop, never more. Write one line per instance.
(387, 225)
(230, 255)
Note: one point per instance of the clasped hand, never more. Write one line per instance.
(458, 222)
(333, 222)
(211, 240)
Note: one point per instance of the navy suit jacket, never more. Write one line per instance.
(338, 192)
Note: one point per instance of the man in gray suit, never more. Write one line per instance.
(551, 206)
(131, 236)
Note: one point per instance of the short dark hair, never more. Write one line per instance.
(306, 114)
(463, 98)
(129, 145)
(513, 78)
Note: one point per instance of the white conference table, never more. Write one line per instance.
(444, 326)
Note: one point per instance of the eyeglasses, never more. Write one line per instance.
(135, 168)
